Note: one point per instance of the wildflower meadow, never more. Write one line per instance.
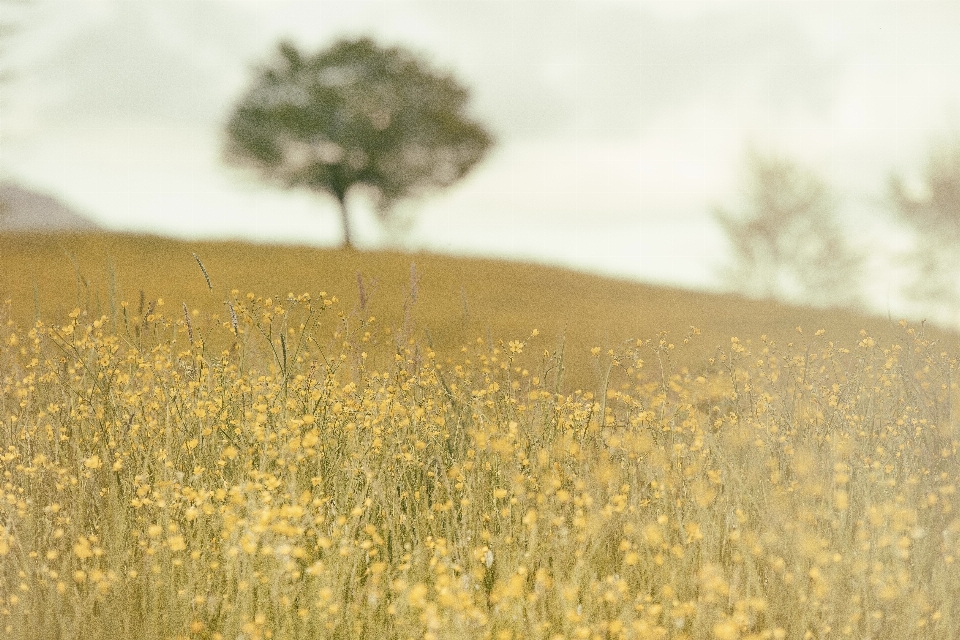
(294, 467)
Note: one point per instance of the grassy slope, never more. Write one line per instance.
(752, 500)
(459, 299)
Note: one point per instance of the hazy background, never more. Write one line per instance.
(620, 124)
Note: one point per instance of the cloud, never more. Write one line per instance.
(537, 69)
(618, 68)
(170, 62)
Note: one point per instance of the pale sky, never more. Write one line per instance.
(621, 125)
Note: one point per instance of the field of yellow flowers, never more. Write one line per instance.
(297, 468)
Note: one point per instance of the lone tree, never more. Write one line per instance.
(355, 114)
(933, 213)
(786, 241)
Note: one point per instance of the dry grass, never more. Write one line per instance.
(458, 298)
(287, 467)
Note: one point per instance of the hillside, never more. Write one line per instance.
(23, 209)
(289, 468)
(457, 300)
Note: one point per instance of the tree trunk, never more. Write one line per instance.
(347, 240)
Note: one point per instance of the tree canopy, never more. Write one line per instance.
(356, 114)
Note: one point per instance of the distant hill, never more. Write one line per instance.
(23, 209)
(449, 301)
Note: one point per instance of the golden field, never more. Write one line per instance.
(479, 453)
(458, 299)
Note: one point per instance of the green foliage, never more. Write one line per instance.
(356, 114)
(787, 243)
